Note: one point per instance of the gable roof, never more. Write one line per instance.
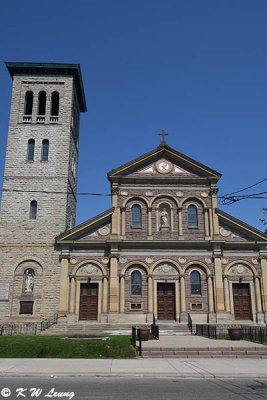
(242, 226)
(163, 150)
(79, 229)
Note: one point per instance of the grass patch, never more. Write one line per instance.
(55, 347)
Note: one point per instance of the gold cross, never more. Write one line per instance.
(163, 134)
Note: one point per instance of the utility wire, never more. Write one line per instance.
(241, 190)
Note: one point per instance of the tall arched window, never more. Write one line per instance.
(54, 103)
(33, 209)
(45, 149)
(136, 216)
(136, 283)
(28, 103)
(41, 103)
(192, 216)
(31, 145)
(195, 283)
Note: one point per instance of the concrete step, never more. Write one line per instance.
(216, 352)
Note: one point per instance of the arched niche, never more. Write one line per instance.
(89, 269)
(165, 268)
(239, 270)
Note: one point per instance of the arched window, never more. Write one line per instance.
(31, 144)
(195, 283)
(54, 103)
(136, 216)
(33, 209)
(28, 103)
(41, 103)
(192, 216)
(136, 283)
(45, 149)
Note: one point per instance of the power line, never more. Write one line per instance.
(241, 190)
(53, 192)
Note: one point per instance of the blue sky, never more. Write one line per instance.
(197, 69)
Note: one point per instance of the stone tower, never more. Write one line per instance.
(39, 197)
(39, 185)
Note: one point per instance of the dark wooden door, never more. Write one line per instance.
(88, 301)
(242, 306)
(166, 301)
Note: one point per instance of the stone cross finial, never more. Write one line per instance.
(163, 133)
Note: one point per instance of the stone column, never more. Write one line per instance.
(180, 223)
(206, 220)
(115, 231)
(177, 300)
(218, 282)
(72, 294)
(77, 302)
(211, 222)
(263, 260)
(105, 294)
(122, 293)
(253, 301)
(64, 286)
(210, 294)
(155, 299)
(123, 209)
(258, 295)
(113, 285)
(182, 284)
(99, 301)
(149, 221)
(231, 299)
(150, 295)
(226, 294)
(213, 193)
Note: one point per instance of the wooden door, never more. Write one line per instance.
(166, 301)
(242, 306)
(88, 301)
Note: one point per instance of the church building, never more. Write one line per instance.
(163, 250)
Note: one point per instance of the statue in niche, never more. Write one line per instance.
(29, 281)
(164, 217)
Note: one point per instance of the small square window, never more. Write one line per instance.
(26, 307)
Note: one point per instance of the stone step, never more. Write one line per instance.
(234, 352)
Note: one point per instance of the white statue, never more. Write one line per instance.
(164, 217)
(29, 281)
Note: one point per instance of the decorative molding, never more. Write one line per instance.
(89, 269)
(165, 269)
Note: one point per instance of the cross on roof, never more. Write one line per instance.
(163, 133)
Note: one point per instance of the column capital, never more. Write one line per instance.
(115, 190)
(213, 191)
(149, 209)
(123, 209)
(206, 209)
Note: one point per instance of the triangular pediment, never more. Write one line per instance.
(164, 162)
(95, 229)
(234, 230)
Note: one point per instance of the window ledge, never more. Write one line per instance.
(136, 227)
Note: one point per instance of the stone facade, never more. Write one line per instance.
(163, 250)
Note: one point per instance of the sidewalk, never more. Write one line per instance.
(141, 368)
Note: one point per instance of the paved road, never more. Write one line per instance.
(135, 389)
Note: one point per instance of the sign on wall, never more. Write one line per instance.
(4, 291)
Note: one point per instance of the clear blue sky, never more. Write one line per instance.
(196, 68)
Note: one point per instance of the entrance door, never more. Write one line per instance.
(242, 307)
(166, 301)
(88, 301)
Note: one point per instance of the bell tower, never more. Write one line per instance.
(40, 178)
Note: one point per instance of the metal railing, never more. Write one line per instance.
(154, 329)
(46, 323)
(190, 323)
(209, 331)
(257, 334)
(28, 328)
(134, 341)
